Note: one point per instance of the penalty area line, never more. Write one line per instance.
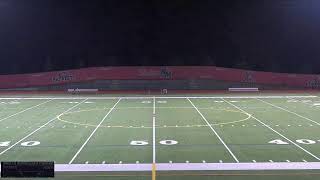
(287, 110)
(93, 132)
(32, 107)
(267, 126)
(39, 128)
(214, 131)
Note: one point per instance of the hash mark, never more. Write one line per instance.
(270, 161)
(254, 161)
(287, 160)
(220, 161)
(103, 162)
(87, 162)
(304, 160)
(203, 161)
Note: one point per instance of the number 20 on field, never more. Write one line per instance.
(300, 141)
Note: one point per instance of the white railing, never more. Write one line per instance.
(243, 89)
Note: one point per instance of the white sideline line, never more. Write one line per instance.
(154, 132)
(40, 128)
(158, 97)
(306, 151)
(186, 167)
(74, 157)
(25, 110)
(225, 145)
(289, 111)
(237, 166)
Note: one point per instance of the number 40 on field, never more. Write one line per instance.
(27, 143)
(301, 141)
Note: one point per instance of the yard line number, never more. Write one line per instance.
(144, 142)
(300, 141)
(26, 144)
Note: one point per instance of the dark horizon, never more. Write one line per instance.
(263, 35)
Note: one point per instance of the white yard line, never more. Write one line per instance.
(287, 110)
(154, 132)
(83, 145)
(306, 151)
(10, 147)
(25, 110)
(214, 131)
(158, 97)
(301, 101)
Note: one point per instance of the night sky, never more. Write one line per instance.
(268, 35)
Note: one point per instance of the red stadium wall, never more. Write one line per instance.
(159, 73)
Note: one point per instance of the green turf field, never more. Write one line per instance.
(169, 131)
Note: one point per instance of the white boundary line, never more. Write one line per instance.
(77, 153)
(40, 128)
(158, 97)
(306, 151)
(289, 111)
(225, 145)
(237, 166)
(25, 110)
(187, 167)
(154, 132)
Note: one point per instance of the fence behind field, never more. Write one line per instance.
(119, 78)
